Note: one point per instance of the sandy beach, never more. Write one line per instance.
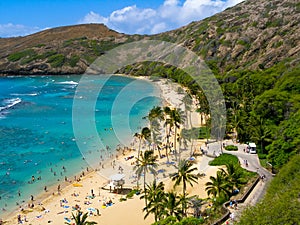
(92, 193)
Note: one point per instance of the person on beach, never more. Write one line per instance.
(19, 219)
(58, 188)
(32, 198)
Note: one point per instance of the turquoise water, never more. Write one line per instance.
(37, 134)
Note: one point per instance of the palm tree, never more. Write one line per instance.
(233, 175)
(218, 186)
(196, 203)
(155, 115)
(203, 106)
(176, 120)
(171, 205)
(145, 163)
(144, 135)
(80, 219)
(168, 121)
(184, 175)
(188, 102)
(260, 131)
(156, 198)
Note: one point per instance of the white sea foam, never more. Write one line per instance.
(10, 103)
(68, 82)
(29, 94)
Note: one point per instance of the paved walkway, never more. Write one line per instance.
(253, 165)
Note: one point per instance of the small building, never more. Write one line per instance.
(252, 147)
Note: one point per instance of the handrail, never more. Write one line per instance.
(226, 204)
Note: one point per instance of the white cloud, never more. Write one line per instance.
(92, 17)
(132, 19)
(157, 28)
(170, 15)
(15, 30)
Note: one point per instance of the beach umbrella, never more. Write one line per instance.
(91, 209)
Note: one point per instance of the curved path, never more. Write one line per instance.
(253, 165)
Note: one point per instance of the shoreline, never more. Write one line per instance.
(100, 176)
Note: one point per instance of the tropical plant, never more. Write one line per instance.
(233, 175)
(167, 111)
(176, 120)
(80, 219)
(145, 163)
(185, 176)
(173, 118)
(155, 116)
(218, 186)
(144, 135)
(260, 132)
(171, 205)
(188, 102)
(196, 204)
(156, 200)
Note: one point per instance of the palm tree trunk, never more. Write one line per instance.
(168, 144)
(192, 145)
(183, 203)
(145, 190)
(158, 149)
(138, 161)
(175, 135)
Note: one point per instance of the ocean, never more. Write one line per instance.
(40, 145)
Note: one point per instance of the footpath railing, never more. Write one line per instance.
(226, 204)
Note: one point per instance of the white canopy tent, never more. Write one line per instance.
(117, 177)
(116, 181)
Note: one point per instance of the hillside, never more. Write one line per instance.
(62, 50)
(251, 35)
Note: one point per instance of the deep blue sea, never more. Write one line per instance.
(37, 134)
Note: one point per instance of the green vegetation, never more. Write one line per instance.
(40, 45)
(56, 60)
(145, 163)
(228, 182)
(262, 105)
(19, 55)
(132, 193)
(47, 54)
(171, 206)
(266, 110)
(224, 159)
(281, 203)
(80, 219)
(186, 221)
(74, 60)
(231, 148)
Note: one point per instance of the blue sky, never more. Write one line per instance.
(22, 17)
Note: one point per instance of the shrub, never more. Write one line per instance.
(122, 199)
(224, 159)
(131, 193)
(74, 60)
(47, 54)
(262, 156)
(19, 55)
(56, 60)
(231, 148)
